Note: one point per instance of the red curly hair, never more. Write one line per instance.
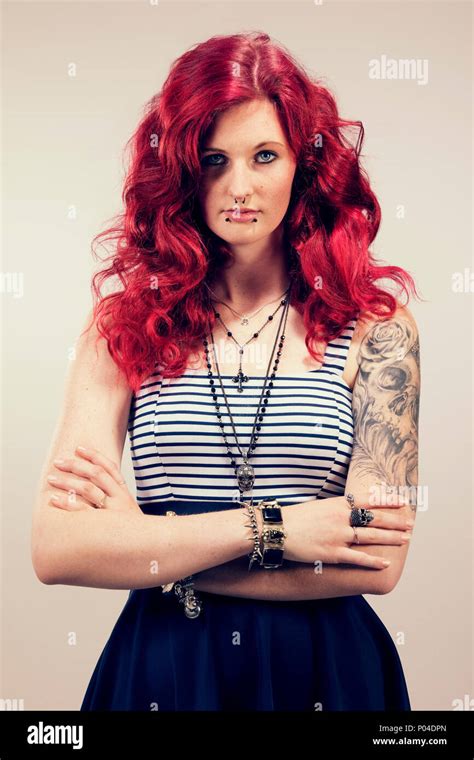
(163, 251)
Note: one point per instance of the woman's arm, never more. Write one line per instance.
(384, 461)
(118, 550)
(108, 549)
(293, 581)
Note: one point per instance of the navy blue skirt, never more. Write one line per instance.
(245, 654)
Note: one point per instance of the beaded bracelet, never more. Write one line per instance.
(184, 590)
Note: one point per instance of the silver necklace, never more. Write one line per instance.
(245, 473)
(243, 317)
(240, 377)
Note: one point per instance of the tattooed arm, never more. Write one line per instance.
(384, 460)
(385, 407)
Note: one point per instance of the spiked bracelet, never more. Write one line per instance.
(256, 554)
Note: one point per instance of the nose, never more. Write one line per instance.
(240, 184)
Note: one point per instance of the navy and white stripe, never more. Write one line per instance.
(304, 446)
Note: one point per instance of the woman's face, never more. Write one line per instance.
(246, 154)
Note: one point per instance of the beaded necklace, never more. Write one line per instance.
(244, 472)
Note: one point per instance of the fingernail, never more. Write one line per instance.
(386, 562)
(59, 461)
(81, 448)
(52, 478)
(54, 497)
(410, 523)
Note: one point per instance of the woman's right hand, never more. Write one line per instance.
(319, 529)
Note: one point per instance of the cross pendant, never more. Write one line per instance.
(240, 378)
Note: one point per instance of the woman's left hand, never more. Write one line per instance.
(84, 481)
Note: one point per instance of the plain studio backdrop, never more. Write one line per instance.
(76, 78)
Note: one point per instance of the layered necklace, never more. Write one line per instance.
(244, 319)
(240, 378)
(244, 471)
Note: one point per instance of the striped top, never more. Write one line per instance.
(304, 445)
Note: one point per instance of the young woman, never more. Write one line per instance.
(270, 389)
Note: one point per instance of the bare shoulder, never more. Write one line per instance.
(367, 321)
(94, 359)
(97, 387)
(400, 331)
(397, 335)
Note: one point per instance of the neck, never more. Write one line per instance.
(246, 285)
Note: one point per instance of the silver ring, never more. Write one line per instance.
(355, 536)
(360, 517)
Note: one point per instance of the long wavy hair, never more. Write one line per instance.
(163, 252)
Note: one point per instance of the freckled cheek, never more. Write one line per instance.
(279, 192)
(207, 199)
(276, 193)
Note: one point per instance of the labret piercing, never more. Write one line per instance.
(228, 220)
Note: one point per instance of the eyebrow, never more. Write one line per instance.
(260, 145)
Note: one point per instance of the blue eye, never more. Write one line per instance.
(269, 153)
(207, 161)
